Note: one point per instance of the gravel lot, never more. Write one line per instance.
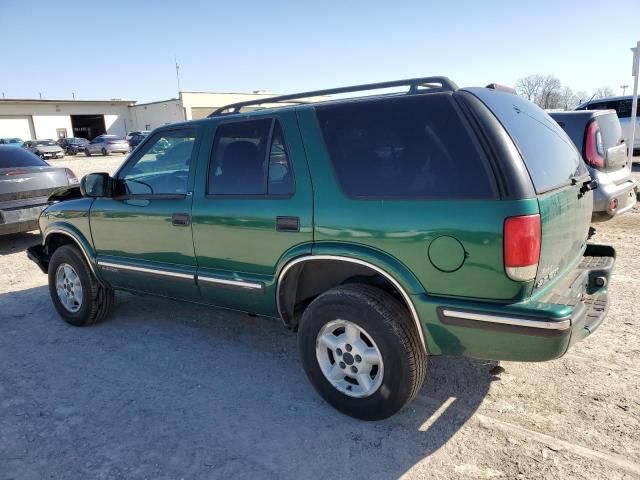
(164, 390)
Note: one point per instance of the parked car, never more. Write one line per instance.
(622, 106)
(597, 135)
(73, 145)
(136, 139)
(13, 142)
(106, 145)
(44, 148)
(382, 229)
(26, 181)
(136, 132)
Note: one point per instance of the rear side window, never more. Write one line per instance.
(410, 147)
(250, 158)
(17, 157)
(610, 130)
(549, 154)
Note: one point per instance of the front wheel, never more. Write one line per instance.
(361, 351)
(104, 152)
(76, 294)
(87, 153)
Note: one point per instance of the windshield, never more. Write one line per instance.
(12, 140)
(45, 143)
(18, 157)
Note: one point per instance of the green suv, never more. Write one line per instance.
(381, 228)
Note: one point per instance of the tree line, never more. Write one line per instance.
(547, 92)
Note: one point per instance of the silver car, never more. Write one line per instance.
(44, 148)
(106, 145)
(26, 182)
(598, 136)
(622, 106)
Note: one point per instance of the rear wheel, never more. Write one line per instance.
(87, 152)
(104, 151)
(76, 294)
(361, 352)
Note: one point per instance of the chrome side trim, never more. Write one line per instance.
(153, 271)
(394, 282)
(520, 322)
(76, 241)
(232, 283)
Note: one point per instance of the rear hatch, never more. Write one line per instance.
(559, 176)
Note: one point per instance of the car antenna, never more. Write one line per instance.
(592, 96)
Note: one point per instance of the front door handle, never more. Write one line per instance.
(181, 219)
(287, 224)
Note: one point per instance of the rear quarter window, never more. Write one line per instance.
(548, 153)
(410, 147)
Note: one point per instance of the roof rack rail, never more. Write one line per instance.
(434, 84)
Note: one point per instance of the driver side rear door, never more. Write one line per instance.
(142, 235)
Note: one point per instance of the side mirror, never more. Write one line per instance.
(96, 185)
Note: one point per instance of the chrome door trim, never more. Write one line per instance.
(394, 282)
(153, 271)
(230, 283)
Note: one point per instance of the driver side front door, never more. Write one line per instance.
(142, 235)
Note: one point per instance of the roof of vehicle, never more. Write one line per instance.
(606, 99)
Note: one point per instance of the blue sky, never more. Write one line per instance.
(121, 49)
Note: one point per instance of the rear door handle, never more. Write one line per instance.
(181, 219)
(287, 224)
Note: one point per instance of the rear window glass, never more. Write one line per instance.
(411, 147)
(549, 154)
(610, 130)
(17, 157)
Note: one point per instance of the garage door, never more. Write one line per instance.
(14, 126)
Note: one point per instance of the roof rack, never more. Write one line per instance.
(416, 85)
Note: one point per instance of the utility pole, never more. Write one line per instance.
(177, 72)
(635, 71)
(73, 94)
(624, 88)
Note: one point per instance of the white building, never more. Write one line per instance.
(42, 119)
(30, 119)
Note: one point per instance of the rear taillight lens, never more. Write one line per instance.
(593, 149)
(71, 177)
(522, 247)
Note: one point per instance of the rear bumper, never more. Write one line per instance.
(543, 328)
(625, 194)
(16, 220)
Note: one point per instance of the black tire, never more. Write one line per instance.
(104, 152)
(97, 300)
(389, 325)
(87, 153)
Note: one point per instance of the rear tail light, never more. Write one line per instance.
(71, 177)
(522, 247)
(593, 149)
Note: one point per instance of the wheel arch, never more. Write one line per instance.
(290, 274)
(59, 234)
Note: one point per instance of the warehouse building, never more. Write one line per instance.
(30, 119)
(41, 119)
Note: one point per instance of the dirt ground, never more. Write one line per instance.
(168, 390)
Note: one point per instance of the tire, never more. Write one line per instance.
(104, 152)
(385, 326)
(96, 301)
(87, 153)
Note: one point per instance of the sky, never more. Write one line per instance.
(124, 49)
